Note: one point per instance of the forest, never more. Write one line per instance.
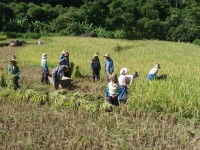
(171, 20)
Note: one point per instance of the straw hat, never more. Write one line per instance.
(157, 66)
(65, 67)
(66, 54)
(13, 61)
(123, 71)
(106, 55)
(44, 55)
(113, 78)
(14, 57)
(96, 54)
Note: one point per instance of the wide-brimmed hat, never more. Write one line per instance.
(96, 54)
(106, 55)
(64, 66)
(14, 57)
(157, 66)
(113, 78)
(13, 60)
(44, 55)
(123, 71)
(66, 54)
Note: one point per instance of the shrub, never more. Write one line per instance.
(196, 41)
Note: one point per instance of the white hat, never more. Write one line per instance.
(123, 71)
(44, 55)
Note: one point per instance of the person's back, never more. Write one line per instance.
(153, 72)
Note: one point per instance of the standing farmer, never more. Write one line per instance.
(95, 66)
(57, 75)
(13, 69)
(45, 70)
(109, 66)
(153, 72)
(64, 60)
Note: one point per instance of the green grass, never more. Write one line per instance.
(160, 114)
(178, 94)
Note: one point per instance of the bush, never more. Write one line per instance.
(196, 41)
(11, 35)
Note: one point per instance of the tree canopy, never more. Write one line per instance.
(133, 19)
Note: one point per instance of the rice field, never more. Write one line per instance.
(177, 95)
(161, 114)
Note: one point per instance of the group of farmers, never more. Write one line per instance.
(116, 91)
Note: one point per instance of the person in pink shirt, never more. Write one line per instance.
(124, 80)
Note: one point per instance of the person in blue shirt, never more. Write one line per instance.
(95, 67)
(109, 66)
(13, 69)
(57, 75)
(64, 60)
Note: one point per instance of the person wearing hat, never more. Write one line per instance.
(57, 75)
(109, 66)
(124, 80)
(95, 66)
(153, 72)
(45, 70)
(64, 60)
(113, 90)
(13, 69)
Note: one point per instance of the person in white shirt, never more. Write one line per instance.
(153, 72)
(113, 90)
(124, 80)
(45, 70)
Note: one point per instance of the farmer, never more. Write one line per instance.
(57, 74)
(153, 72)
(109, 66)
(64, 60)
(113, 90)
(13, 69)
(95, 66)
(124, 80)
(45, 70)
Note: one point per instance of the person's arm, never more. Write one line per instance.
(112, 66)
(9, 69)
(59, 75)
(17, 71)
(105, 65)
(99, 65)
(92, 65)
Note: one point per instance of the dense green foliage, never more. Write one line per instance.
(176, 20)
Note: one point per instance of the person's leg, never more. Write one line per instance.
(109, 100)
(98, 74)
(16, 83)
(42, 77)
(46, 79)
(115, 101)
(93, 74)
(55, 81)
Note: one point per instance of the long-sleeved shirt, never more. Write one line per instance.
(44, 64)
(153, 71)
(109, 66)
(113, 89)
(57, 71)
(65, 61)
(95, 64)
(14, 70)
(124, 78)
